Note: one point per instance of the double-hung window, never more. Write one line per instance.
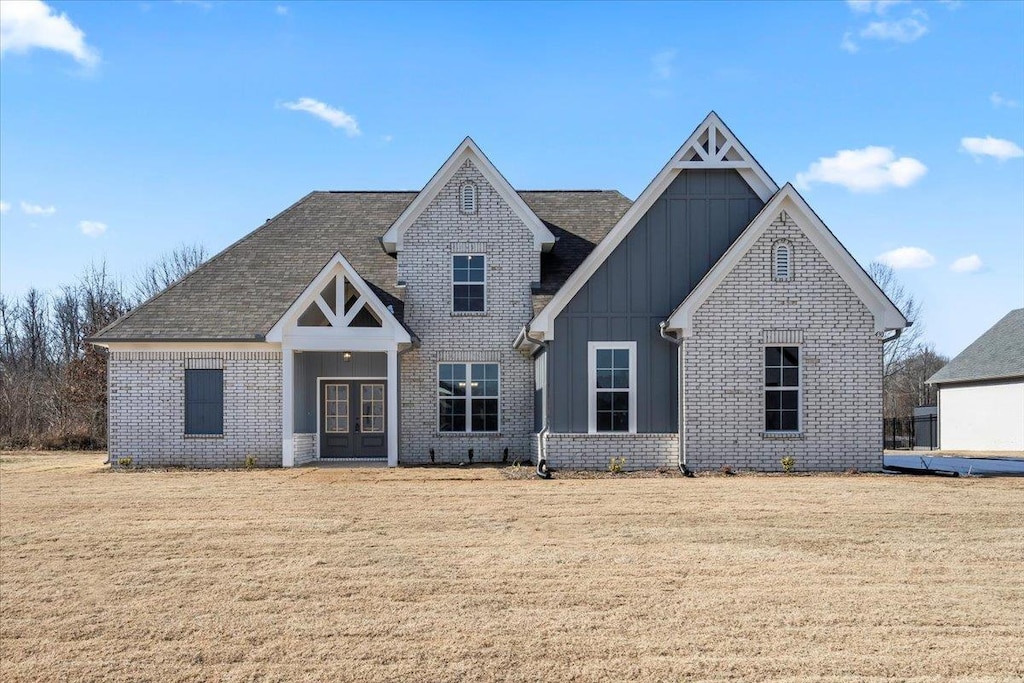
(782, 389)
(467, 397)
(204, 402)
(612, 395)
(469, 283)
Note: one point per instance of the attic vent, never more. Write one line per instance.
(467, 198)
(783, 262)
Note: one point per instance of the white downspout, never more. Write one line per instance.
(681, 402)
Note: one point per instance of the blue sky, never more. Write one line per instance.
(143, 125)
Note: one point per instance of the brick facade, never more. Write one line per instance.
(595, 451)
(147, 409)
(841, 365)
(425, 264)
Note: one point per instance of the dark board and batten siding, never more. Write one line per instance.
(663, 258)
(312, 364)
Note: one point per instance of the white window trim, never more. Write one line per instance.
(451, 273)
(799, 393)
(592, 349)
(383, 404)
(468, 398)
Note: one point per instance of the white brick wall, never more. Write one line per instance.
(840, 356)
(305, 448)
(147, 409)
(595, 451)
(425, 264)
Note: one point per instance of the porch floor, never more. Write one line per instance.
(347, 462)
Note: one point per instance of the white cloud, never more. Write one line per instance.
(951, 4)
(38, 209)
(872, 6)
(92, 228)
(281, 10)
(989, 146)
(998, 100)
(336, 117)
(907, 257)
(32, 24)
(386, 139)
(5, 207)
(663, 65)
(848, 43)
(905, 30)
(967, 264)
(863, 170)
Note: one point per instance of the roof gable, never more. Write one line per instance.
(887, 316)
(329, 294)
(999, 353)
(711, 146)
(467, 151)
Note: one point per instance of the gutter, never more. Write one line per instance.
(681, 346)
(542, 462)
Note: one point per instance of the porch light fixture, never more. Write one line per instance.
(346, 356)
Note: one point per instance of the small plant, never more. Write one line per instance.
(788, 464)
(516, 465)
(616, 465)
(853, 470)
(124, 461)
(250, 462)
(727, 470)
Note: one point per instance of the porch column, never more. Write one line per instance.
(287, 410)
(393, 406)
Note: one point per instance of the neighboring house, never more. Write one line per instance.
(981, 391)
(714, 321)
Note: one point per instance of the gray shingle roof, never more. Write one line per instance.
(241, 292)
(997, 353)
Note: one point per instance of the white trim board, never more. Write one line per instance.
(543, 240)
(339, 335)
(887, 316)
(592, 349)
(724, 151)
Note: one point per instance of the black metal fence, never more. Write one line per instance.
(920, 432)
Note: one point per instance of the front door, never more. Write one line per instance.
(352, 419)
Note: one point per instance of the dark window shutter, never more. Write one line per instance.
(204, 401)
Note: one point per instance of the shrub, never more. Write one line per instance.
(125, 461)
(727, 470)
(616, 465)
(250, 462)
(788, 464)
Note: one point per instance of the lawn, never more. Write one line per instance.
(468, 575)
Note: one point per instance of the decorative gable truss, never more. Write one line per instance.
(711, 146)
(543, 240)
(338, 305)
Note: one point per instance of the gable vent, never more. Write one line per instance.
(467, 198)
(783, 269)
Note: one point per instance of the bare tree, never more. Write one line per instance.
(168, 269)
(907, 344)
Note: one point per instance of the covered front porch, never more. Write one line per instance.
(339, 365)
(344, 407)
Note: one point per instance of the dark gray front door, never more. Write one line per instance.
(353, 423)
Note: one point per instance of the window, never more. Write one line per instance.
(469, 283)
(371, 410)
(783, 262)
(336, 409)
(467, 198)
(782, 388)
(612, 400)
(204, 402)
(467, 397)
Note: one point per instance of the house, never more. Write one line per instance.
(713, 321)
(981, 391)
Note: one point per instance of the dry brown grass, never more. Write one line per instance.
(466, 575)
